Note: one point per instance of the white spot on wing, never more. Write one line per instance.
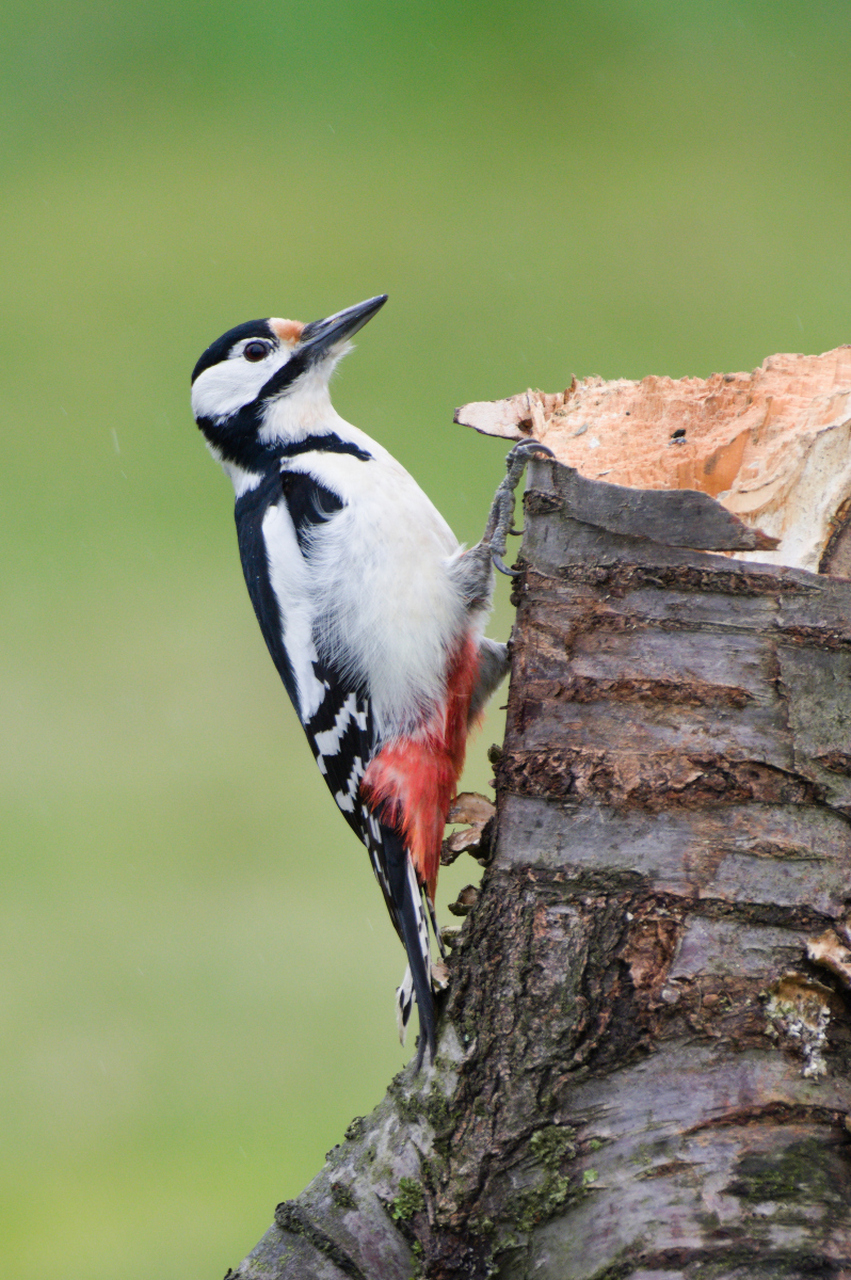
(328, 741)
(346, 799)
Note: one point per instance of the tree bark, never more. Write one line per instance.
(643, 1064)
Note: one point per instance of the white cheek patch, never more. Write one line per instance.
(228, 386)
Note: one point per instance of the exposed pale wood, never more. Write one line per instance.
(773, 446)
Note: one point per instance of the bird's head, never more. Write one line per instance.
(266, 381)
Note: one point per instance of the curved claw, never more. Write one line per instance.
(497, 562)
(529, 447)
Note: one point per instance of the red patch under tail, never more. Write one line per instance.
(413, 780)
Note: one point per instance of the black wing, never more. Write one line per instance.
(340, 731)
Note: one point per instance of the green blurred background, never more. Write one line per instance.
(197, 972)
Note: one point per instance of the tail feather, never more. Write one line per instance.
(414, 931)
(438, 936)
(394, 870)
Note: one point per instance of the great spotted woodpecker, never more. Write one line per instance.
(372, 612)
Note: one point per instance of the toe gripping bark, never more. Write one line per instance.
(502, 509)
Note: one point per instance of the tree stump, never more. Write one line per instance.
(643, 1064)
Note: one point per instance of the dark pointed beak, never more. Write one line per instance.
(320, 335)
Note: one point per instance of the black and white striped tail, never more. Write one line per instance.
(394, 871)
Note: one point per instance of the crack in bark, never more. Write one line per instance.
(836, 762)
(621, 576)
(685, 693)
(289, 1216)
(775, 1113)
(747, 1259)
(664, 780)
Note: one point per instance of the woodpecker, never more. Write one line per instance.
(371, 611)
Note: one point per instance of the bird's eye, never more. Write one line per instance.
(255, 351)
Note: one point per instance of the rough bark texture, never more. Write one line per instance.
(645, 1050)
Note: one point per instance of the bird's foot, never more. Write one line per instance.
(499, 523)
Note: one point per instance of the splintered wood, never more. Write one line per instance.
(772, 446)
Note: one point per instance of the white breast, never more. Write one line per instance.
(386, 609)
